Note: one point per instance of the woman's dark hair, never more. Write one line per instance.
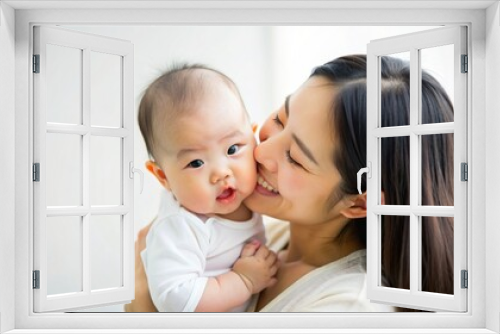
(348, 121)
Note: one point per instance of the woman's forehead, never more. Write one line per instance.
(309, 112)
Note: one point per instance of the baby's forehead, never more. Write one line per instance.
(198, 126)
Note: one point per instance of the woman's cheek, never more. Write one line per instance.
(294, 184)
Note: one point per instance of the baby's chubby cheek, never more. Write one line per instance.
(248, 184)
(248, 177)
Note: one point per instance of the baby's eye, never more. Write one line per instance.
(233, 149)
(195, 164)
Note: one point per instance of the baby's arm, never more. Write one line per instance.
(174, 260)
(251, 273)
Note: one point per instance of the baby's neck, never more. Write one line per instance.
(241, 214)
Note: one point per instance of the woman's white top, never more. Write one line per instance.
(184, 249)
(339, 286)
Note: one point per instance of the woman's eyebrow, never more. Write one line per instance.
(304, 148)
(287, 99)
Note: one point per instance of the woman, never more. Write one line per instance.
(309, 153)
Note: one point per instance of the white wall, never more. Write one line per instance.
(492, 164)
(7, 160)
(298, 49)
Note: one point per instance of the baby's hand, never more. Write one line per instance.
(257, 266)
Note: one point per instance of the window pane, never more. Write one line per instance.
(105, 251)
(437, 169)
(64, 255)
(395, 257)
(105, 89)
(437, 63)
(105, 170)
(64, 84)
(395, 172)
(395, 115)
(64, 169)
(437, 254)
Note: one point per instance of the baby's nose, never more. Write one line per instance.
(220, 175)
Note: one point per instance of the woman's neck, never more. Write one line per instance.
(319, 244)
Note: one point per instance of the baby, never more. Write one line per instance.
(201, 141)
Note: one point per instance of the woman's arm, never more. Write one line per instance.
(142, 301)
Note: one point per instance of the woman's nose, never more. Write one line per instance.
(266, 155)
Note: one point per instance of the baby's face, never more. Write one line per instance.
(209, 162)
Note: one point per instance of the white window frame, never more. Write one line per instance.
(482, 317)
(413, 43)
(87, 43)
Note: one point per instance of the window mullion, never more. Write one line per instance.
(414, 170)
(422, 210)
(419, 129)
(86, 172)
(84, 129)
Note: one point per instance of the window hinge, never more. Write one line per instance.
(465, 279)
(36, 63)
(36, 279)
(465, 64)
(464, 168)
(36, 172)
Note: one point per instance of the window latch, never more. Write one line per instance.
(133, 170)
(368, 171)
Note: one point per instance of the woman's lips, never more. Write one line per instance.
(265, 188)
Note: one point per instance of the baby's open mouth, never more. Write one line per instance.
(227, 194)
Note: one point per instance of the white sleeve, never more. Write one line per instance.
(175, 259)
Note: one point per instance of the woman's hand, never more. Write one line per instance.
(142, 301)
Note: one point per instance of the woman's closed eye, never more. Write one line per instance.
(197, 163)
(277, 120)
(291, 160)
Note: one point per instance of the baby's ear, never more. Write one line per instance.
(255, 126)
(154, 169)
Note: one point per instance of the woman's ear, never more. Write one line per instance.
(356, 207)
(158, 173)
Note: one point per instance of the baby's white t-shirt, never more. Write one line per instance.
(184, 249)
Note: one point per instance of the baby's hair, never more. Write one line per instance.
(172, 94)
